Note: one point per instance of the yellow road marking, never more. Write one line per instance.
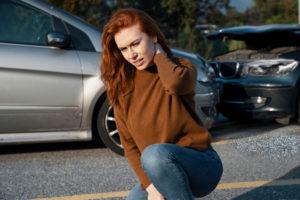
(219, 142)
(221, 186)
(251, 184)
(89, 196)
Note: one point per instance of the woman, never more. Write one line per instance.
(152, 94)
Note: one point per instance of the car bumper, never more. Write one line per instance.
(206, 99)
(258, 102)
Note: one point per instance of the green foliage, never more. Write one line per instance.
(266, 12)
(276, 11)
(178, 18)
(93, 11)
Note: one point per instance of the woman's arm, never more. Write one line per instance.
(177, 78)
(132, 152)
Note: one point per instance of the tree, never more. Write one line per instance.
(95, 12)
(176, 18)
(272, 12)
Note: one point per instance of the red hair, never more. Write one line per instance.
(116, 73)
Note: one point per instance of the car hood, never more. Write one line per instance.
(274, 35)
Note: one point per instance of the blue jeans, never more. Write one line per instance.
(179, 172)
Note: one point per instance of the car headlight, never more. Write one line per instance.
(205, 72)
(210, 72)
(273, 67)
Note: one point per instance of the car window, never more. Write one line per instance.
(80, 39)
(23, 24)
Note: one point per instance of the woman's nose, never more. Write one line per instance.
(133, 54)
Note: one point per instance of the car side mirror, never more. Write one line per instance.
(59, 40)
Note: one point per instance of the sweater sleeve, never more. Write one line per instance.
(131, 150)
(177, 79)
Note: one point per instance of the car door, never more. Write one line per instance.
(40, 86)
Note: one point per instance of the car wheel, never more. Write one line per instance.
(107, 129)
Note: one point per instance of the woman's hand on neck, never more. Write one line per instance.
(159, 49)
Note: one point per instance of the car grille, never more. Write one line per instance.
(226, 69)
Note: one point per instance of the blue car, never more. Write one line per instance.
(261, 80)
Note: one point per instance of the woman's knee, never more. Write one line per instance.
(156, 156)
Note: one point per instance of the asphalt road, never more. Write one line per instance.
(261, 161)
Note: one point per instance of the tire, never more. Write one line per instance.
(107, 129)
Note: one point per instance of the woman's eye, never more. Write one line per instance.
(135, 44)
(123, 49)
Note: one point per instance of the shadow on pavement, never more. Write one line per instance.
(62, 146)
(271, 191)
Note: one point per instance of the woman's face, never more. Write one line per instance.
(136, 47)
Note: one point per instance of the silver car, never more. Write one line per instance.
(50, 86)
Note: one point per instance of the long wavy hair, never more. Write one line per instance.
(116, 73)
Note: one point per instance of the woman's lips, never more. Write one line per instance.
(139, 62)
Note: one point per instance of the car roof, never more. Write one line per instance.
(261, 36)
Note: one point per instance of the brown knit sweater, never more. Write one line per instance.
(160, 109)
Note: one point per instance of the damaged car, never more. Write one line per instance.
(261, 80)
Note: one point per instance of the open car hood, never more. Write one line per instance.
(265, 36)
